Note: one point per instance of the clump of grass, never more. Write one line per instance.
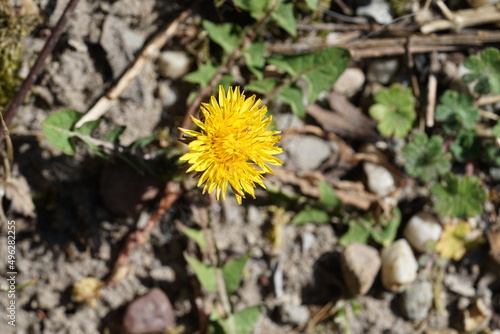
(14, 26)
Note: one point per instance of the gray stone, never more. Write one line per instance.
(149, 313)
(360, 265)
(382, 70)
(306, 152)
(173, 64)
(376, 9)
(416, 300)
(297, 315)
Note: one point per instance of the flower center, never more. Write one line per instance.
(230, 147)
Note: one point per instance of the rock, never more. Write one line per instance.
(306, 152)
(477, 316)
(421, 229)
(149, 313)
(399, 266)
(167, 94)
(350, 82)
(288, 120)
(297, 315)
(460, 285)
(382, 70)
(360, 265)
(376, 9)
(416, 300)
(380, 180)
(173, 64)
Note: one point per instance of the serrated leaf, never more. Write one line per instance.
(394, 110)
(456, 111)
(264, 86)
(285, 18)
(458, 197)
(425, 158)
(386, 236)
(293, 96)
(466, 146)
(254, 55)
(232, 271)
(256, 8)
(327, 197)
(205, 273)
(195, 235)
(485, 71)
(202, 75)
(456, 239)
(491, 152)
(227, 35)
(357, 232)
(311, 215)
(57, 128)
(320, 69)
(244, 321)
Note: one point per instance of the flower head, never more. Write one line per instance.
(234, 145)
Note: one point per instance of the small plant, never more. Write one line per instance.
(456, 111)
(322, 211)
(394, 110)
(484, 71)
(425, 158)
(466, 146)
(458, 197)
(457, 239)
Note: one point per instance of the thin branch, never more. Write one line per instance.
(432, 90)
(147, 53)
(37, 67)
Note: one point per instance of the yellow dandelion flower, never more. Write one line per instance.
(234, 145)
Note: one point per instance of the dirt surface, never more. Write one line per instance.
(85, 206)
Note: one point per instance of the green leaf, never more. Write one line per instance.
(293, 96)
(256, 8)
(202, 75)
(112, 136)
(425, 158)
(312, 4)
(466, 146)
(58, 129)
(357, 232)
(456, 239)
(227, 35)
(264, 86)
(244, 321)
(485, 71)
(394, 110)
(320, 69)
(496, 130)
(232, 272)
(327, 197)
(458, 197)
(457, 111)
(311, 215)
(205, 273)
(285, 18)
(255, 58)
(388, 234)
(195, 235)
(491, 152)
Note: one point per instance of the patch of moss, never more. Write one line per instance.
(14, 26)
(400, 7)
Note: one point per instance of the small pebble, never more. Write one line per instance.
(416, 300)
(399, 266)
(297, 315)
(360, 265)
(382, 70)
(349, 82)
(149, 313)
(380, 180)
(421, 229)
(306, 152)
(376, 9)
(173, 64)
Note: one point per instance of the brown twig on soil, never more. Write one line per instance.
(247, 40)
(37, 67)
(462, 18)
(386, 47)
(148, 52)
(431, 90)
(140, 237)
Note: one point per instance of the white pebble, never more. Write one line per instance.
(380, 180)
(421, 229)
(399, 266)
(173, 64)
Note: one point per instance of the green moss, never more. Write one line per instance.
(400, 7)
(13, 28)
